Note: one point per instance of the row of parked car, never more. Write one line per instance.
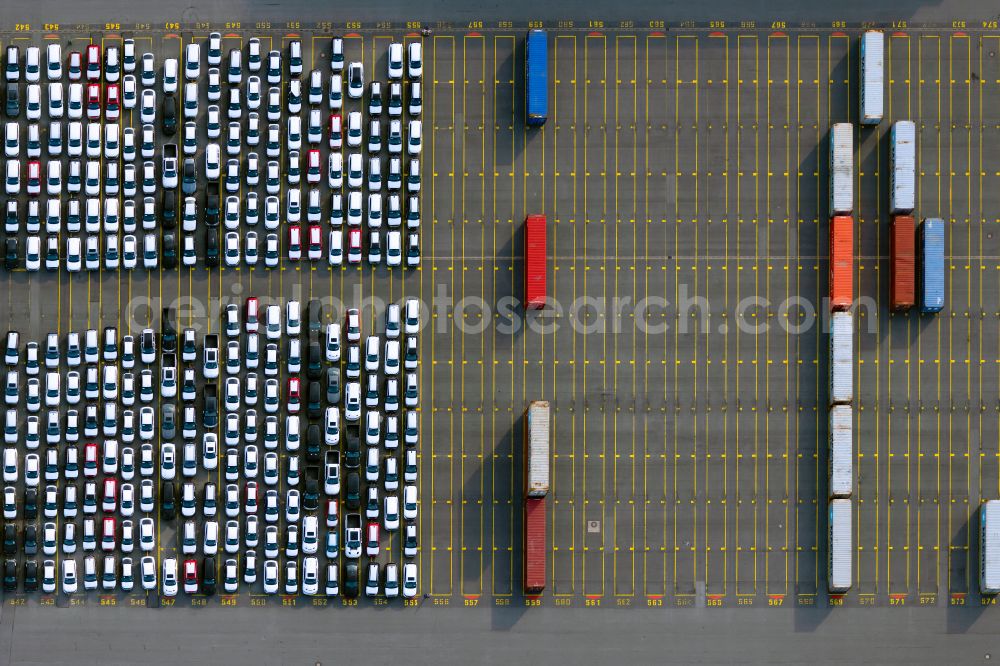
(291, 579)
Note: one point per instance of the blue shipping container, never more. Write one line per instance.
(932, 265)
(536, 78)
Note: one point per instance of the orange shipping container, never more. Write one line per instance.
(534, 545)
(902, 250)
(841, 262)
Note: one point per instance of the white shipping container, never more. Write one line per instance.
(841, 169)
(872, 77)
(841, 358)
(903, 160)
(841, 464)
(537, 443)
(989, 547)
(840, 546)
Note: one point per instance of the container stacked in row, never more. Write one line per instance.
(536, 481)
(840, 471)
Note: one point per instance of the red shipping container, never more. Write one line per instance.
(841, 262)
(535, 548)
(534, 262)
(902, 251)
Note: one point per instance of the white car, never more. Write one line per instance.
(352, 402)
(415, 64)
(170, 580)
(395, 61)
(409, 580)
(355, 80)
(354, 131)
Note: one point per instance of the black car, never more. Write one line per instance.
(168, 422)
(169, 108)
(30, 576)
(10, 260)
(314, 356)
(30, 540)
(314, 313)
(168, 332)
(168, 502)
(30, 503)
(211, 248)
(168, 209)
(314, 400)
(208, 576)
(10, 576)
(189, 176)
(169, 250)
(352, 446)
(353, 495)
(212, 205)
(310, 495)
(314, 440)
(13, 101)
(9, 539)
(333, 385)
(210, 412)
(351, 580)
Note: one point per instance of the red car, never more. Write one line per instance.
(251, 497)
(94, 62)
(94, 101)
(251, 319)
(108, 533)
(332, 513)
(294, 395)
(371, 545)
(90, 459)
(109, 503)
(315, 242)
(74, 66)
(35, 178)
(354, 246)
(336, 136)
(112, 102)
(294, 242)
(190, 576)
(312, 166)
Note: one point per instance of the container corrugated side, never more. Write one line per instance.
(840, 546)
(535, 545)
(873, 77)
(902, 179)
(841, 358)
(840, 473)
(537, 441)
(534, 261)
(536, 77)
(902, 241)
(841, 262)
(841, 169)
(989, 547)
(932, 265)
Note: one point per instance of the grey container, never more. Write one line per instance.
(903, 160)
(537, 453)
(841, 358)
(841, 169)
(840, 471)
(989, 547)
(840, 546)
(872, 88)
